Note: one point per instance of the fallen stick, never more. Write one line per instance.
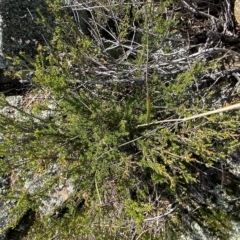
(224, 109)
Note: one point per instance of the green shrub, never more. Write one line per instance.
(123, 174)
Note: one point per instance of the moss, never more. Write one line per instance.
(216, 221)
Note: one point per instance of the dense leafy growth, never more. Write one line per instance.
(156, 181)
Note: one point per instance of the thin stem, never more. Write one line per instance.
(148, 102)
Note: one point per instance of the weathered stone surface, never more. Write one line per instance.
(20, 31)
(54, 199)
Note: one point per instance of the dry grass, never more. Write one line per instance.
(33, 97)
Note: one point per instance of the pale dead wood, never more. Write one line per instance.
(220, 110)
(237, 11)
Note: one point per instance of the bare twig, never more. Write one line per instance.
(161, 216)
(194, 10)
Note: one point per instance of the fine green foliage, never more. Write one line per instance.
(123, 176)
